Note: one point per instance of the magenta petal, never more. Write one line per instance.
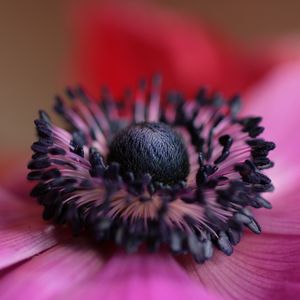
(257, 269)
(141, 276)
(276, 98)
(52, 272)
(284, 218)
(287, 291)
(22, 231)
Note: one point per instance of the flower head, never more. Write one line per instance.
(183, 174)
(42, 261)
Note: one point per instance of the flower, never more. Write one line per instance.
(261, 267)
(240, 275)
(181, 176)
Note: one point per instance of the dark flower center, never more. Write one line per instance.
(153, 148)
(125, 184)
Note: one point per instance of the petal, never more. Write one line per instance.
(287, 291)
(23, 234)
(108, 48)
(276, 98)
(257, 269)
(284, 217)
(52, 272)
(140, 276)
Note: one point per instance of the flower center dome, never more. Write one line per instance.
(153, 148)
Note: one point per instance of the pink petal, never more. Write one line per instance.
(140, 276)
(50, 273)
(257, 270)
(22, 230)
(284, 217)
(276, 98)
(288, 291)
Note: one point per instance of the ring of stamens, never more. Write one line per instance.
(79, 184)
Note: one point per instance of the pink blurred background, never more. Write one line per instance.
(35, 44)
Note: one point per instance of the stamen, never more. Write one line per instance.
(183, 173)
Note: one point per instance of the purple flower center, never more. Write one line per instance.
(185, 176)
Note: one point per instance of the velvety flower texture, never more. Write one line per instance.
(40, 261)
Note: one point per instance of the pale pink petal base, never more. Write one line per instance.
(23, 233)
(52, 272)
(140, 276)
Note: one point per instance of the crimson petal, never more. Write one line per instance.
(109, 48)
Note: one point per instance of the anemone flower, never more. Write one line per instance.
(85, 183)
(152, 225)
